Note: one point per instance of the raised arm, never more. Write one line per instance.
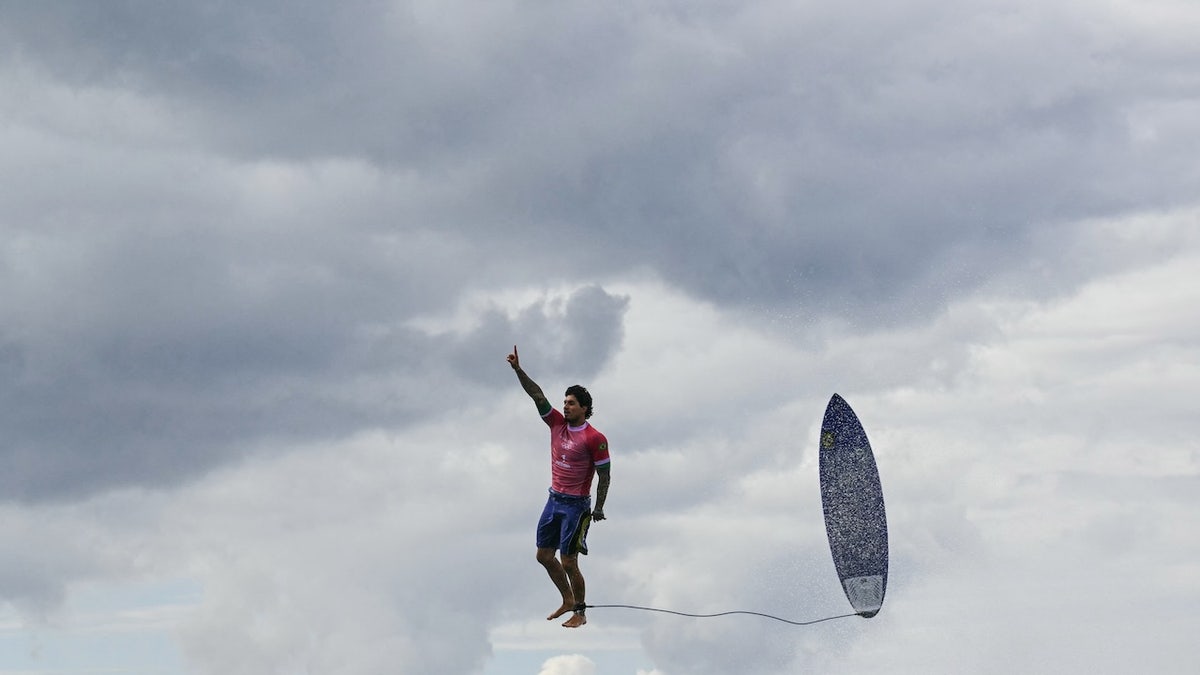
(531, 387)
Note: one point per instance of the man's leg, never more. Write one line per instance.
(570, 565)
(561, 581)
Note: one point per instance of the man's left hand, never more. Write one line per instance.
(597, 514)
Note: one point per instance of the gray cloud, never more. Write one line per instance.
(252, 231)
(824, 160)
(164, 359)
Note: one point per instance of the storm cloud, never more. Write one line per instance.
(260, 264)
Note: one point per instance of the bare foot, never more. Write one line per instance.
(577, 619)
(566, 607)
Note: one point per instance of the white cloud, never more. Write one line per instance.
(261, 268)
(568, 664)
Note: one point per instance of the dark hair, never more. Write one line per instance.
(581, 394)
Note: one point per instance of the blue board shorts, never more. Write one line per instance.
(564, 523)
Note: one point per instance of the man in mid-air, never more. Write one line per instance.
(577, 452)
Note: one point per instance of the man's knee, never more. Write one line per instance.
(545, 556)
(570, 563)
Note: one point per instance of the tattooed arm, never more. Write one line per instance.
(604, 476)
(531, 387)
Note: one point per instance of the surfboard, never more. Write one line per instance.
(852, 499)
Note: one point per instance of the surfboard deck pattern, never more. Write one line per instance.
(852, 499)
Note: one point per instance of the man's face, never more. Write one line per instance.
(572, 411)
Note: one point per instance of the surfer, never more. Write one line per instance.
(578, 451)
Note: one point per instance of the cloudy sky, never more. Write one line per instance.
(261, 263)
